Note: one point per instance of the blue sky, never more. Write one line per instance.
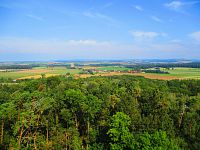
(99, 29)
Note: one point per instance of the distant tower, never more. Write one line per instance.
(72, 65)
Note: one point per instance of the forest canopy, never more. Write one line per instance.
(98, 113)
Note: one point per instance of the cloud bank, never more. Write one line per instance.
(31, 49)
(179, 6)
(195, 36)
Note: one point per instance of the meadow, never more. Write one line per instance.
(37, 72)
(183, 73)
(111, 68)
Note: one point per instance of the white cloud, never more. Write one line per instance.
(98, 16)
(88, 14)
(35, 17)
(64, 49)
(26, 45)
(195, 36)
(32, 44)
(139, 8)
(108, 5)
(163, 34)
(179, 5)
(24, 48)
(174, 5)
(82, 42)
(156, 19)
(102, 17)
(175, 41)
(142, 35)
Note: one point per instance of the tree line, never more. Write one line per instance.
(164, 65)
(29, 66)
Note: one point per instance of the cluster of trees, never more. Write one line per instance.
(164, 65)
(30, 66)
(6, 80)
(155, 71)
(98, 113)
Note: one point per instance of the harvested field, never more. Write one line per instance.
(37, 76)
(156, 76)
(35, 71)
(150, 76)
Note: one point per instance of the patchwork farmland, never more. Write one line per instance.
(88, 71)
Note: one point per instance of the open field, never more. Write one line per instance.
(183, 73)
(156, 76)
(35, 73)
(89, 67)
(111, 68)
(39, 67)
(149, 76)
(186, 72)
(176, 73)
(37, 76)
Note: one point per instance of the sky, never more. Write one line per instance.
(34, 30)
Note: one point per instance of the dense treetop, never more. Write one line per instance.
(118, 112)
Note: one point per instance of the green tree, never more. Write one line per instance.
(156, 141)
(119, 133)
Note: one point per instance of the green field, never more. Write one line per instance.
(39, 67)
(190, 73)
(111, 68)
(63, 70)
(38, 71)
(14, 75)
(182, 73)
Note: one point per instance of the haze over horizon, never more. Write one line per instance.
(104, 29)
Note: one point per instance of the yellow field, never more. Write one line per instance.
(37, 76)
(156, 76)
(35, 73)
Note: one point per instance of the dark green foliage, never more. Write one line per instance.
(99, 113)
(155, 71)
(164, 65)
